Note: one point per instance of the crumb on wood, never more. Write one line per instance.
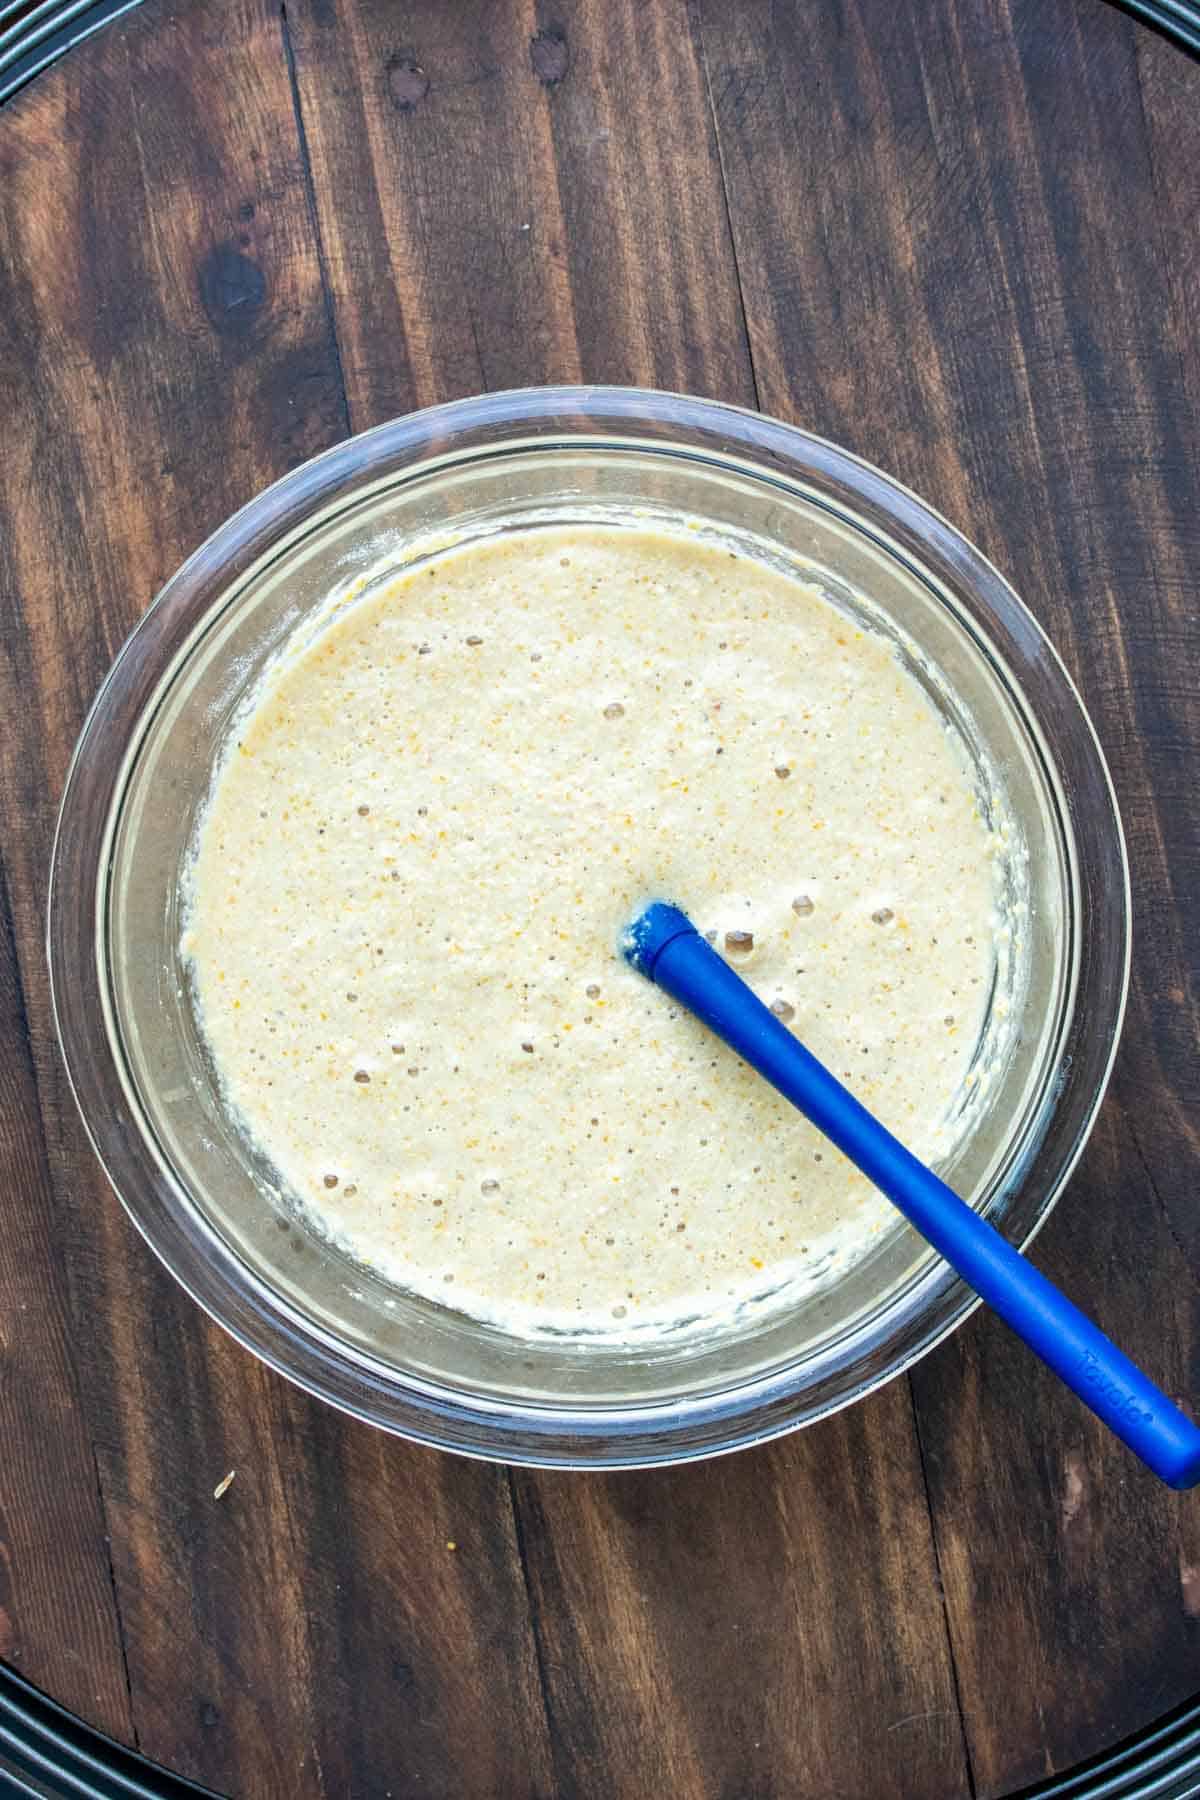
(222, 1486)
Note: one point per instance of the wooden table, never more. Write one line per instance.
(962, 240)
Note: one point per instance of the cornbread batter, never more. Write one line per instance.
(436, 817)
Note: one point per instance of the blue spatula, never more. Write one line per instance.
(664, 945)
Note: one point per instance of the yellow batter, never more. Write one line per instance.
(418, 857)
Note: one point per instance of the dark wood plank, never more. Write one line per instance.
(166, 354)
(437, 281)
(765, 1624)
(58, 1616)
(653, 284)
(1166, 996)
(514, 195)
(1168, 89)
(425, 1667)
(1047, 1525)
(945, 228)
(592, 127)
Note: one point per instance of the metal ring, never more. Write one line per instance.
(32, 36)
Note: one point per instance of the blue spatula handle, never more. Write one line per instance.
(665, 946)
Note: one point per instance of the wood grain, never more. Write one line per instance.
(58, 1615)
(1166, 995)
(960, 241)
(167, 352)
(768, 1624)
(598, 128)
(956, 311)
(1043, 1522)
(174, 356)
(507, 200)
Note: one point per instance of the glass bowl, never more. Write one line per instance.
(142, 771)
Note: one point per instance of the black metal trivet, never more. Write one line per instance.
(48, 1754)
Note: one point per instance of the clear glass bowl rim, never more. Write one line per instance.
(227, 1289)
